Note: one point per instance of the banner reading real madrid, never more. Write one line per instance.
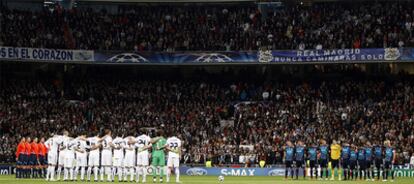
(210, 57)
(262, 56)
(40, 54)
(334, 55)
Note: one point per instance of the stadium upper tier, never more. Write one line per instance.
(183, 27)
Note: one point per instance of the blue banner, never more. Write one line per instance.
(6, 169)
(335, 55)
(217, 171)
(400, 171)
(242, 57)
(231, 57)
(178, 57)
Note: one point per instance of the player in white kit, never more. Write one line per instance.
(69, 145)
(93, 145)
(173, 146)
(143, 143)
(129, 160)
(61, 157)
(106, 156)
(52, 145)
(81, 156)
(119, 144)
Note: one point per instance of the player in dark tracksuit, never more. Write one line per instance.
(289, 153)
(361, 163)
(389, 160)
(378, 159)
(323, 159)
(353, 155)
(345, 160)
(368, 160)
(300, 158)
(313, 157)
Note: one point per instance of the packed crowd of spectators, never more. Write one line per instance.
(158, 27)
(31, 29)
(228, 123)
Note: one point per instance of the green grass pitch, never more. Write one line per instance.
(10, 179)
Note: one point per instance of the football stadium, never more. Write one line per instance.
(207, 91)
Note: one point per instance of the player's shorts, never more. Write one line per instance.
(368, 163)
(361, 164)
(61, 159)
(93, 159)
(387, 165)
(312, 163)
(335, 163)
(42, 160)
(323, 163)
(52, 159)
(378, 163)
(158, 160)
(352, 164)
(22, 160)
(106, 158)
(118, 162)
(33, 160)
(345, 163)
(129, 159)
(288, 164)
(46, 159)
(68, 163)
(143, 158)
(299, 163)
(81, 160)
(173, 162)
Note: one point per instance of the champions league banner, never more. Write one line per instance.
(178, 57)
(194, 58)
(39, 54)
(258, 57)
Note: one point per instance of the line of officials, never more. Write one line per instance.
(31, 158)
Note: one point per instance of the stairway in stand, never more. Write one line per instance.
(68, 36)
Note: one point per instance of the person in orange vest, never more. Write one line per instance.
(28, 165)
(34, 158)
(20, 157)
(42, 156)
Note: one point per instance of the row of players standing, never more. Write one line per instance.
(122, 156)
(355, 161)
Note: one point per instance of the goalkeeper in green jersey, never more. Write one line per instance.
(158, 155)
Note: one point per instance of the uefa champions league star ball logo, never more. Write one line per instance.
(213, 58)
(128, 58)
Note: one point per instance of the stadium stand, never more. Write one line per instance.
(177, 27)
(226, 121)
